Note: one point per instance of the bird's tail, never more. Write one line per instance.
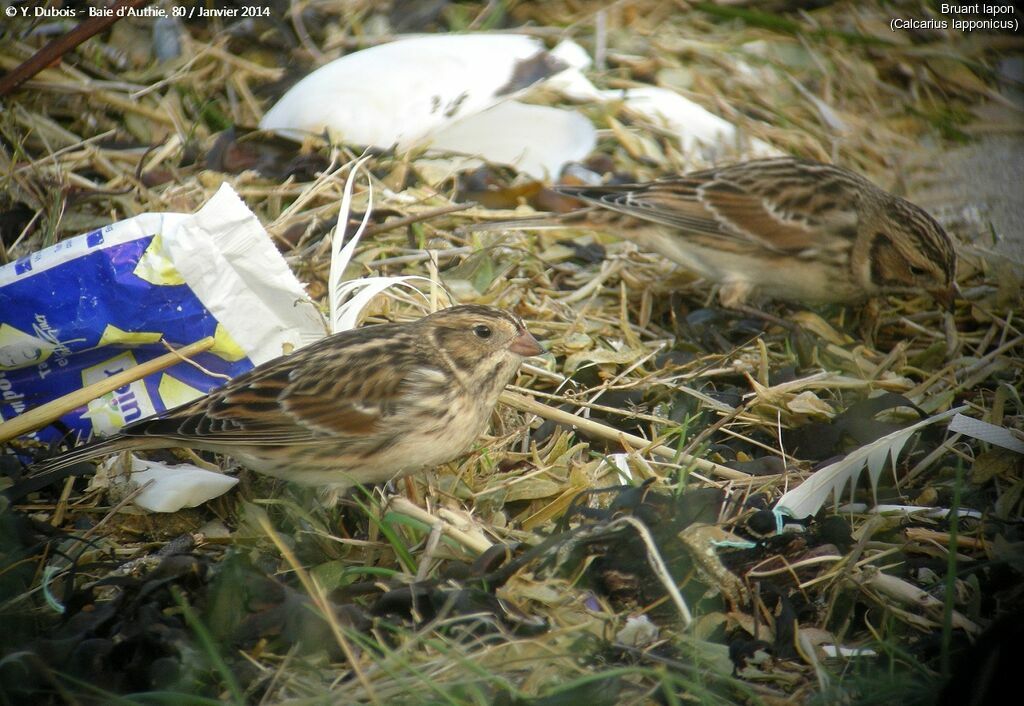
(547, 221)
(95, 449)
(51, 470)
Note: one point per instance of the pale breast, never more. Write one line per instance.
(817, 278)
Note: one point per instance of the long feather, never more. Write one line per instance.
(809, 496)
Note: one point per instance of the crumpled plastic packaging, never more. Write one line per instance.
(102, 302)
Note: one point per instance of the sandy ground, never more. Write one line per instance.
(977, 191)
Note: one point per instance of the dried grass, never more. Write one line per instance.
(659, 380)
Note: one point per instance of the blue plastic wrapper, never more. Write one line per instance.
(103, 302)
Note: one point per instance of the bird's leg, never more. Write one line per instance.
(764, 316)
(733, 295)
(870, 318)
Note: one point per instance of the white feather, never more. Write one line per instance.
(348, 299)
(809, 496)
(341, 255)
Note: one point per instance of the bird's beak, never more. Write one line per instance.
(525, 345)
(946, 297)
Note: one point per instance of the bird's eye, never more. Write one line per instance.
(918, 271)
(482, 331)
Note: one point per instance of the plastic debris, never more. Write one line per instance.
(99, 303)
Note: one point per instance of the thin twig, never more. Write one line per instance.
(55, 409)
(602, 431)
(60, 46)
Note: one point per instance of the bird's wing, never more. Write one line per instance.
(673, 204)
(742, 207)
(345, 385)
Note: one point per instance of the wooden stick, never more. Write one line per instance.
(467, 539)
(55, 409)
(525, 404)
(415, 218)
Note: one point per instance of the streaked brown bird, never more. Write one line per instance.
(785, 229)
(361, 406)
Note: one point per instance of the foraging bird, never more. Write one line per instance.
(786, 229)
(361, 406)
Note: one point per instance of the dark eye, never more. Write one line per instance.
(482, 331)
(918, 271)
